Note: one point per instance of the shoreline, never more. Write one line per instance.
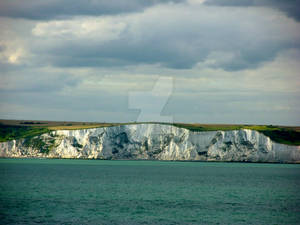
(152, 160)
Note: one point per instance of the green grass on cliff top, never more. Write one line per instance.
(280, 134)
(16, 129)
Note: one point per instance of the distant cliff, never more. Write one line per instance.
(153, 141)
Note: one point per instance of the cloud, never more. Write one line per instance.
(50, 9)
(291, 7)
(230, 65)
(267, 95)
(99, 30)
(11, 52)
(174, 36)
(36, 80)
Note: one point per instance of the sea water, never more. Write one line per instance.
(62, 191)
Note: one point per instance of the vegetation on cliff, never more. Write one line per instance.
(280, 134)
(16, 129)
(9, 132)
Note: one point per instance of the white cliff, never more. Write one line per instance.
(153, 141)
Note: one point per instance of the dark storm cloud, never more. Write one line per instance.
(290, 7)
(49, 9)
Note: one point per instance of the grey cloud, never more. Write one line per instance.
(235, 107)
(290, 7)
(165, 56)
(162, 40)
(37, 81)
(7, 67)
(211, 107)
(97, 106)
(54, 84)
(83, 102)
(180, 42)
(49, 9)
(2, 48)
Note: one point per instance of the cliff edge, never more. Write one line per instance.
(153, 141)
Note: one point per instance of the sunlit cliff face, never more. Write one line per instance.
(153, 141)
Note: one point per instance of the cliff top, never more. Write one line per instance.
(16, 129)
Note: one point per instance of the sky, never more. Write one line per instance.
(196, 61)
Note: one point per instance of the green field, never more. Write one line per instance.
(16, 129)
(281, 134)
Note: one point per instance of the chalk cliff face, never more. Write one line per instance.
(153, 141)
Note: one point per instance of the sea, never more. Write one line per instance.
(65, 191)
